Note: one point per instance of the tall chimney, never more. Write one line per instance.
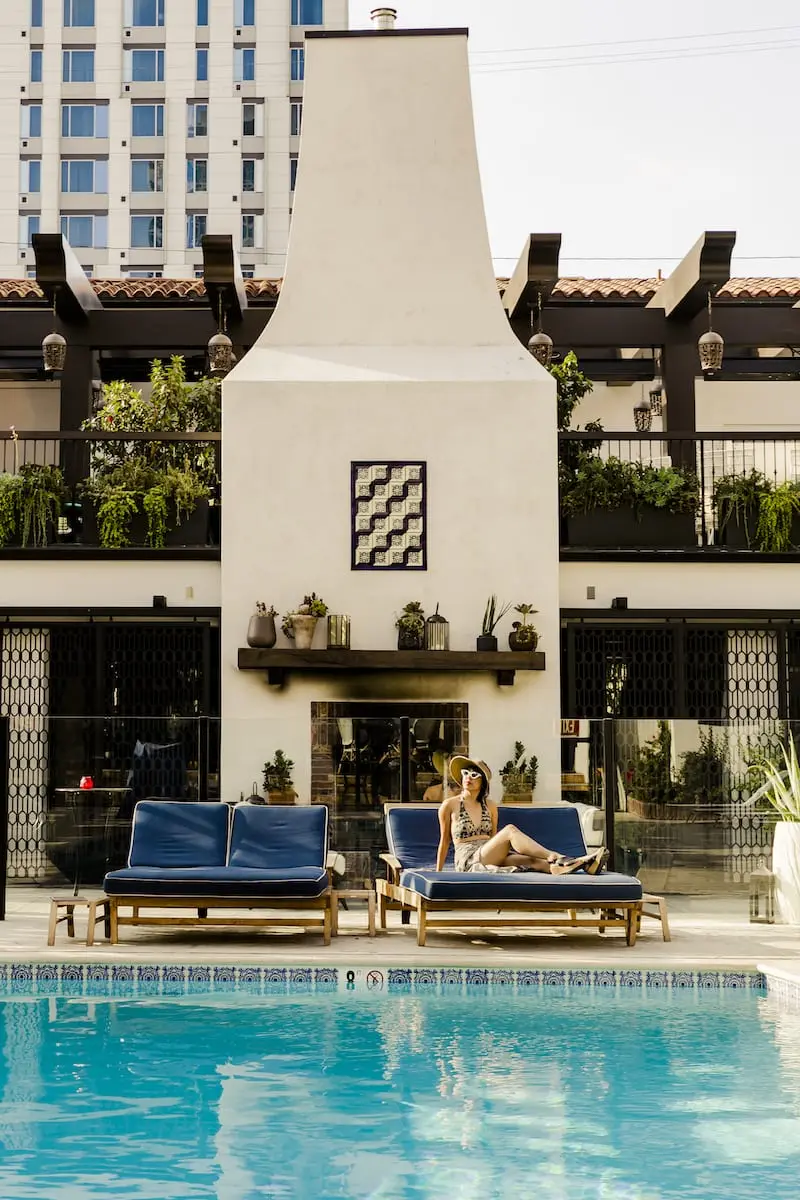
(384, 18)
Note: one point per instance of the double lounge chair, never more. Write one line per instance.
(196, 858)
(454, 899)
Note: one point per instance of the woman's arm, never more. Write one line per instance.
(494, 814)
(444, 834)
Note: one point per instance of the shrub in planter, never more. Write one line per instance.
(523, 635)
(411, 626)
(519, 774)
(30, 505)
(139, 505)
(612, 502)
(278, 786)
(754, 513)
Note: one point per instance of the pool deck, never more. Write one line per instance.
(706, 932)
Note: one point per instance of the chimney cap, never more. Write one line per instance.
(384, 18)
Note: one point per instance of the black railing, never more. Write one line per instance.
(51, 489)
(710, 492)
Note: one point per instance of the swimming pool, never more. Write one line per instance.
(416, 1085)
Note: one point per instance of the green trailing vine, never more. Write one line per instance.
(40, 494)
(762, 509)
(775, 515)
(9, 508)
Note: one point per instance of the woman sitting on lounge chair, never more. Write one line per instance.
(470, 820)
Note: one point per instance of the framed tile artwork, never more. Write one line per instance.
(388, 516)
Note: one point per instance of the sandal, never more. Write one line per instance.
(568, 866)
(598, 861)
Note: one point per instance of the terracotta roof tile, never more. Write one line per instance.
(27, 291)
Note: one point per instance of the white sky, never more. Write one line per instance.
(633, 160)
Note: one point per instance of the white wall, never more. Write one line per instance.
(53, 584)
(360, 363)
(704, 585)
(30, 405)
(724, 405)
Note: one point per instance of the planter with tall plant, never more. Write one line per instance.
(753, 513)
(613, 503)
(492, 616)
(780, 789)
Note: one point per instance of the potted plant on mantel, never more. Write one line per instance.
(278, 786)
(523, 635)
(261, 630)
(492, 617)
(781, 790)
(300, 624)
(411, 627)
(519, 775)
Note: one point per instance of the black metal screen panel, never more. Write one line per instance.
(680, 670)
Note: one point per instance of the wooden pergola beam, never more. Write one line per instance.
(704, 270)
(62, 278)
(535, 274)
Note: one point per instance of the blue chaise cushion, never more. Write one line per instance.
(218, 882)
(557, 828)
(168, 833)
(413, 835)
(277, 837)
(463, 886)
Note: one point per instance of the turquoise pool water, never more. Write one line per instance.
(554, 1092)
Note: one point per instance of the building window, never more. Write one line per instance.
(84, 175)
(78, 13)
(85, 230)
(144, 66)
(147, 120)
(293, 173)
(31, 120)
(197, 174)
(244, 12)
(153, 273)
(298, 63)
(147, 175)
(144, 13)
(30, 170)
(84, 120)
(36, 14)
(248, 271)
(297, 117)
(36, 66)
(197, 122)
(248, 231)
(28, 226)
(202, 12)
(77, 66)
(202, 64)
(195, 229)
(248, 174)
(252, 120)
(244, 64)
(306, 12)
(147, 232)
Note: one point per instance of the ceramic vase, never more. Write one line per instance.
(304, 627)
(261, 631)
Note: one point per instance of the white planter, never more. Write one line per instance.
(304, 628)
(786, 868)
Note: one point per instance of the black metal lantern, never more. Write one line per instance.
(762, 895)
(437, 632)
(643, 415)
(220, 354)
(711, 346)
(54, 352)
(540, 344)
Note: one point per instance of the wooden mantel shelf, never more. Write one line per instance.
(278, 663)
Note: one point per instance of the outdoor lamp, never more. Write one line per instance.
(762, 895)
(540, 344)
(220, 348)
(711, 346)
(643, 415)
(657, 396)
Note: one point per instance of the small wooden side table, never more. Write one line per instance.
(367, 894)
(656, 907)
(97, 911)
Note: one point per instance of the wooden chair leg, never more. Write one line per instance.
(51, 926)
(665, 930)
(70, 920)
(371, 914)
(326, 928)
(113, 921)
(381, 910)
(422, 922)
(90, 922)
(573, 915)
(334, 906)
(107, 920)
(632, 918)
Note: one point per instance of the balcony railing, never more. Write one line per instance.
(717, 494)
(97, 493)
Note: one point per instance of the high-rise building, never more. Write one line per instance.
(136, 126)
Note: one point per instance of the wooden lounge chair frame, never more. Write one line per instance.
(625, 915)
(309, 913)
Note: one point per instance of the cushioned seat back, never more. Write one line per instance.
(169, 833)
(413, 835)
(558, 829)
(279, 836)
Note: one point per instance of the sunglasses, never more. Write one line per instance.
(471, 773)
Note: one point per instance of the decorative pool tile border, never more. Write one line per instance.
(98, 979)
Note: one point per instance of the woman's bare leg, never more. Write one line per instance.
(512, 848)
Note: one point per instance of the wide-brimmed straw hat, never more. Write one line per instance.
(460, 762)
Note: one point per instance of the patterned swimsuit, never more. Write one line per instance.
(462, 826)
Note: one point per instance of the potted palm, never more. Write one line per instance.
(781, 790)
(300, 624)
(492, 616)
(523, 635)
(519, 775)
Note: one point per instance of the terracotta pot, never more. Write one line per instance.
(261, 631)
(304, 627)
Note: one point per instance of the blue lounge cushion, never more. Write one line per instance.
(463, 886)
(169, 833)
(246, 883)
(413, 835)
(557, 828)
(276, 837)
